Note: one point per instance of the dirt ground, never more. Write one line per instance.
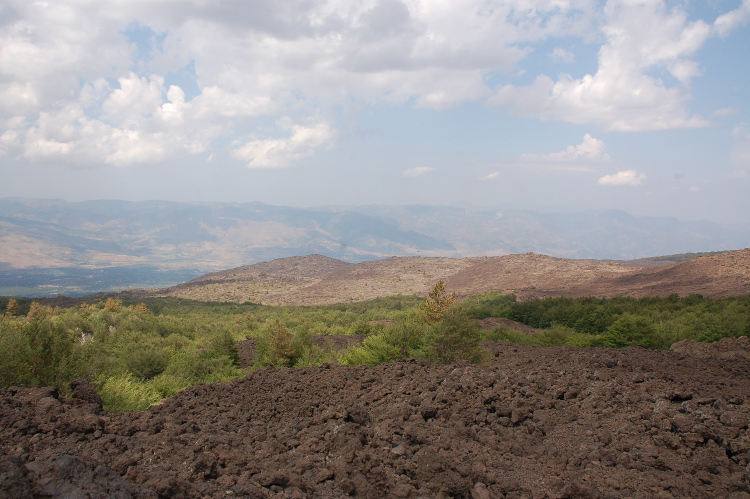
(535, 423)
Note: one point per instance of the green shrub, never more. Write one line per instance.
(375, 350)
(15, 355)
(167, 385)
(631, 330)
(123, 393)
(147, 360)
(554, 336)
(362, 328)
(505, 334)
(453, 338)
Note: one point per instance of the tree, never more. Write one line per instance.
(454, 338)
(281, 352)
(112, 305)
(11, 310)
(437, 303)
(38, 311)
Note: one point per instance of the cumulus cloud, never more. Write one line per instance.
(622, 95)
(491, 176)
(418, 171)
(589, 150)
(281, 153)
(627, 177)
(91, 80)
(141, 122)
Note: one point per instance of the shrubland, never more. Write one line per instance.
(137, 353)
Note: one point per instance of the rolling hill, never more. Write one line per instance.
(52, 246)
(316, 279)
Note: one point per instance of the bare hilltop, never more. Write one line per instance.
(316, 279)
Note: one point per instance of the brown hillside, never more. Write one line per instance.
(727, 274)
(316, 279)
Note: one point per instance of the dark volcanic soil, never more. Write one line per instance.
(537, 422)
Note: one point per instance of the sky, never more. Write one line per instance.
(548, 105)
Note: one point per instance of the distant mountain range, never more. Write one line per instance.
(95, 245)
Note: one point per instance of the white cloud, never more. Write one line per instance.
(263, 59)
(730, 21)
(139, 124)
(418, 171)
(623, 95)
(725, 111)
(562, 55)
(590, 150)
(88, 94)
(135, 98)
(627, 177)
(491, 176)
(281, 153)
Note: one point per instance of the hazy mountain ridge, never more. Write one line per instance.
(206, 237)
(223, 235)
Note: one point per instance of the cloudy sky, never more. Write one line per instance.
(552, 105)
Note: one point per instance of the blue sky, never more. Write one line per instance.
(561, 105)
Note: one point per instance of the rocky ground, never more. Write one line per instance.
(534, 423)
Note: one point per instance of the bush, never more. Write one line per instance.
(555, 336)
(276, 349)
(15, 354)
(396, 341)
(123, 392)
(453, 338)
(147, 360)
(375, 350)
(631, 330)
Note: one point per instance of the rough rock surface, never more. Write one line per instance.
(536, 422)
(726, 349)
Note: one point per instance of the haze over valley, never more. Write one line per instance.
(54, 247)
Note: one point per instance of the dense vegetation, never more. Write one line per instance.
(681, 257)
(132, 356)
(652, 322)
(137, 353)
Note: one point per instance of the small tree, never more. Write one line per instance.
(141, 308)
(112, 305)
(280, 351)
(437, 303)
(38, 311)
(11, 310)
(452, 336)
